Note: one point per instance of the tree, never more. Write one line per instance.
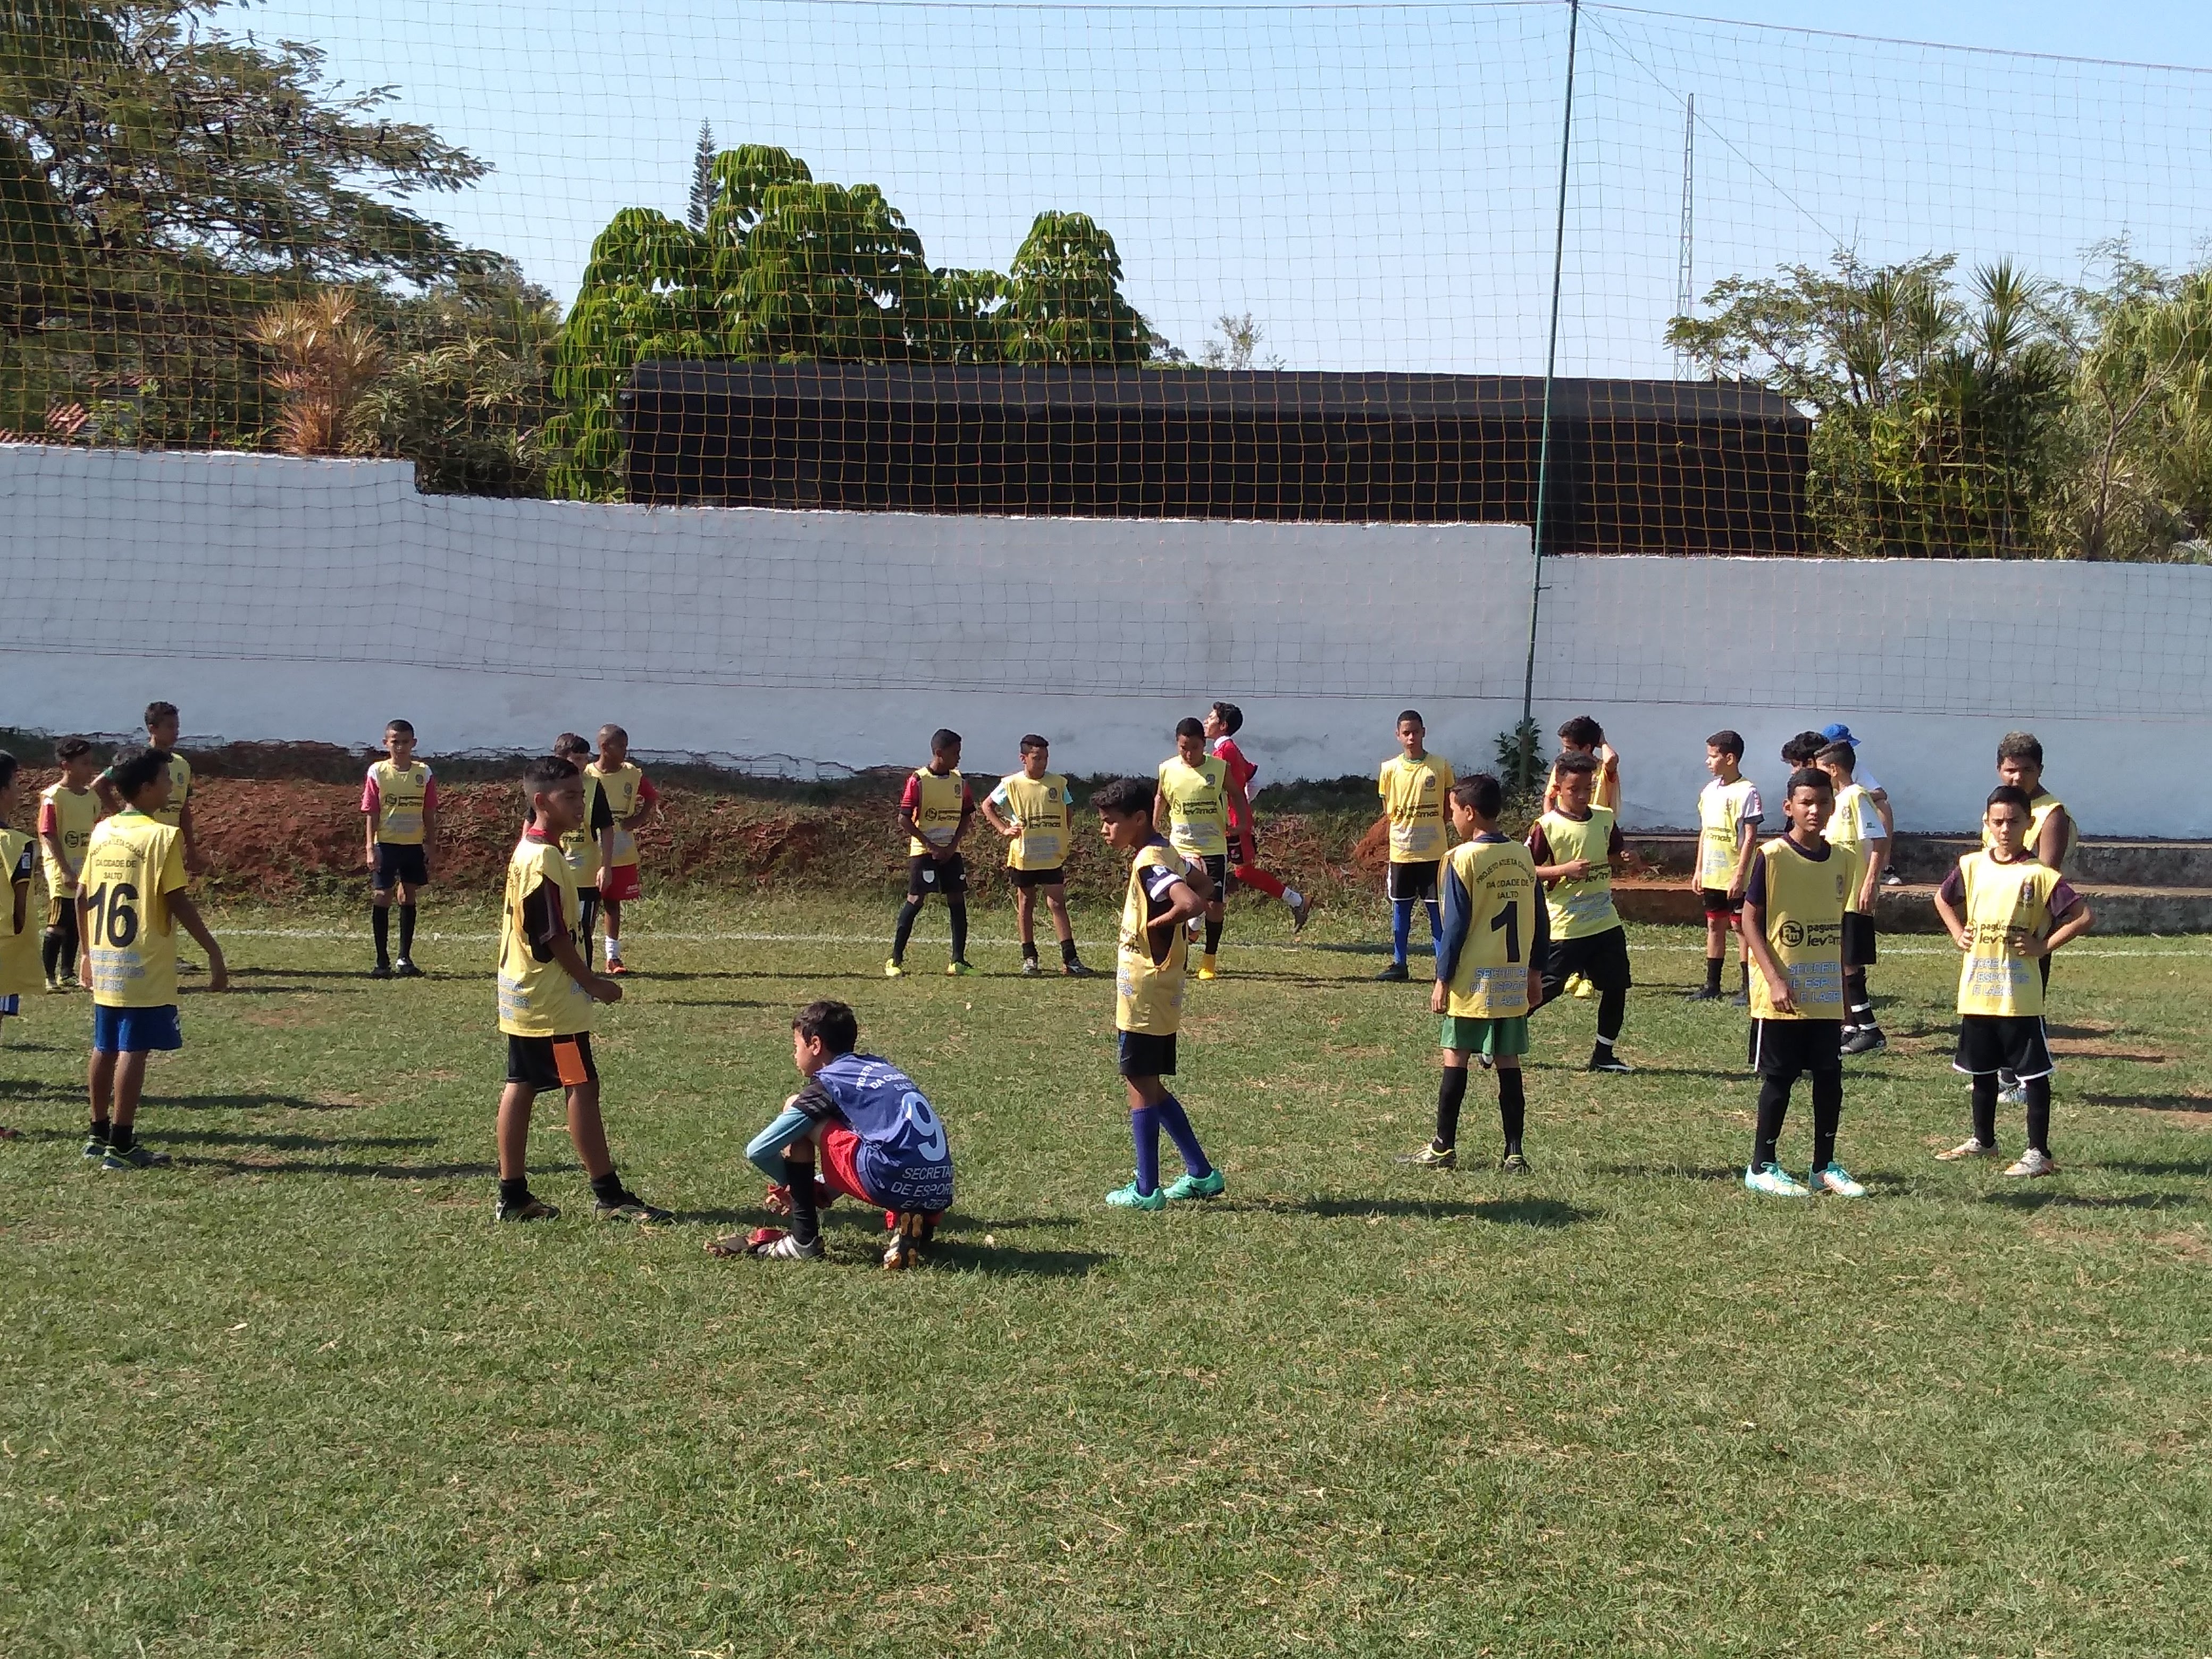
(703, 178)
(1235, 344)
(329, 356)
(1064, 302)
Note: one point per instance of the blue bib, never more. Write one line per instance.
(905, 1156)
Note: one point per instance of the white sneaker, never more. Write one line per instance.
(1833, 1177)
(2032, 1163)
(1775, 1181)
(1967, 1149)
(2015, 1096)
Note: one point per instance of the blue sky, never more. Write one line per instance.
(1374, 184)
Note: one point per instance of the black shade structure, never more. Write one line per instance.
(1639, 466)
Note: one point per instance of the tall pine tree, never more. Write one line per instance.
(702, 178)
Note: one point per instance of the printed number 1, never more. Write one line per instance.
(1507, 921)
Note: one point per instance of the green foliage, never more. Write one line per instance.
(1521, 762)
(1064, 302)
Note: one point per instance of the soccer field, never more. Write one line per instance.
(299, 1396)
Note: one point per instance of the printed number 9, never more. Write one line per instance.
(924, 1120)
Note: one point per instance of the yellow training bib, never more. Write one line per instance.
(937, 814)
(621, 786)
(1198, 809)
(581, 847)
(132, 865)
(2005, 903)
(537, 997)
(1491, 980)
(19, 946)
(1721, 808)
(1582, 908)
(1413, 793)
(1803, 920)
(76, 812)
(401, 818)
(1148, 992)
(1040, 806)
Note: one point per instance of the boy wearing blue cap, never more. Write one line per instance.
(1837, 731)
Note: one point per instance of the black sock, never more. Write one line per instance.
(1713, 966)
(1855, 999)
(379, 923)
(608, 1188)
(1827, 1114)
(407, 932)
(514, 1189)
(806, 1226)
(1213, 933)
(959, 909)
(1512, 1105)
(119, 1137)
(50, 952)
(1030, 951)
(2039, 1112)
(1985, 1108)
(1451, 1094)
(1612, 1009)
(1773, 1107)
(99, 1131)
(1746, 966)
(1067, 951)
(908, 912)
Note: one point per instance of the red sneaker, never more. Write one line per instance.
(616, 970)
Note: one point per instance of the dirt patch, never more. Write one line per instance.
(2102, 1048)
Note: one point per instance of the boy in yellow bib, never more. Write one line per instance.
(1730, 811)
(68, 809)
(1148, 987)
(1191, 799)
(162, 725)
(633, 800)
(1413, 784)
(934, 812)
(19, 946)
(545, 998)
(1490, 969)
(1575, 846)
(1033, 810)
(131, 901)
(1793, 919)
(590, 848)
(399, 806)
(1854, 825)
(2005, 908)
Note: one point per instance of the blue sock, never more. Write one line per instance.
(1176, 1123)
(1435, 921)
(1145, 1130)
(1401, 929)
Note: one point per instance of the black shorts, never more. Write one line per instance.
(1858, 940)
(1409, 882)
(926, 875)
(1719, 907)
(1601, 958)
(1786, 1049)
(1143, 1054)
(532, 1062)
(396, 865)
(2002, 1042)
(1216, 872)
(1056, 877)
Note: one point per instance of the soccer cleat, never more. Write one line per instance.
(54, 986)
(1740, 999)
(1208, 968)
(1702, 993)
(1433, 1156)
(1128, 1198)
(93, 1149)
(1300, 912)
(773, 1245)
(1213, 1184)
(1513, 1163)
(530, 1207)
(894, 969)
(1029, 967)
(614, 969)
(1833, 1177)
(1077, 970)
(1891, 879)
(2032, 1163)
(404, 969)
(1967, 1149)
(382, 970)
(630, 1208)
(136, 1156)
(908, 1236)
(1395, 974)
(1604, 1060)
(1774, 1182)
(1580, 986)
(957, 970)
(1864, 1040)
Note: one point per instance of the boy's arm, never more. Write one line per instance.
(110, 802)
(1882, 810)
(1877, 860)
(1183, 903)
(2057, 835)
(563, 951)
(1754, 935)
(1005, 826)
(429, 833)
(648, 803)
(2075, 923)
(1746, 848)
(369, 814)
(1458, 909)
(188, 917)
(50, 834)
(22, 902)
(83, 938)
(193, 861)
(1953, 923)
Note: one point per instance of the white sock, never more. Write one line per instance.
(1292, 898)
(614, 949)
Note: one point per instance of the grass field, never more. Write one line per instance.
(298, 1394)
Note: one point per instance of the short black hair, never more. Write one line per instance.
(1840, 754)
(159, 711)
(1801, 749)
(572, 742)
(9, 767)
(1190, 726)
(2020, 745)
(1481, 794)
(943, 739)
(1414, 715)
(69, 748)
(547, 770)
(1031, 740)
(408, 726)
(1729, 742)
(833, 1024)
(619, 731)
(134, 768)
(1582, 730)
(2010, 794)
(1577, 765)
(1124, 797)
(1231, 717)
(1808, 777)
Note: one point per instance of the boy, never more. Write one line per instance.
(1192, 797)
(1223, 722)
(1855, 826)
(1799, 750)
(1032, 808)
(2006, 908)
(881, 1143)
(131, 901)
(1148, 985)
(67, 810)
(162, 722)
(633, 800)
(1574, 845)
(1412, 784)
(19, 952)
(2050, 841)
(1837, 731)
(399, 807)
(1728, 815)
(934, 813)
(545, 997)
(1490, 960)
(1583, 736)
(590, 846)
(1793, 921)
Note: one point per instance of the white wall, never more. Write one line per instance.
(282, 599)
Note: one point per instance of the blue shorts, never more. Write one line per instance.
(135, 1031)
(11, 1004)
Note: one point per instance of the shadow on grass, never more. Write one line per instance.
(155, 1102)
(2153, 1103)
(1544, 1212)
(38, 1089)
(2141, 1167)
(288, 1143)
(2044, 1199)
(961, 1256)
(245, 1166)
(1672, 1171)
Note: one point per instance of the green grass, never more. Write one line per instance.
(298, 1395)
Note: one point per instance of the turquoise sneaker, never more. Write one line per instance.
(1210, 1185)
(1128, 1198)
(1775, 1181)
(1833, 1177)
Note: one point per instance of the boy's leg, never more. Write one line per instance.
(1025, 919)
(380, 923)
(1063, 926)
(1176, 1123)
(1512, 1102)
(1609, 969)
(1985, 1108)
(908, 912)
(59, 946)
(100, 1085)
(765, 1150)
(407, 923)
(2038, 1113)
(1451, 1096)
(1401, 931)
(1717, 933)
(956, 904)
(1146, 1094)
(588, 921)
(514, 1131)
(129, 1081)
(1773, 1107)
(1436, 910)
(1252, 876)
(1828, 1115)
(588, 1131)
(1216, 914)
(612, 907)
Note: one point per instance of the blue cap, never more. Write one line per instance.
(1839, 734)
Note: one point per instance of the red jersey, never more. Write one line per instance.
(1241, 771)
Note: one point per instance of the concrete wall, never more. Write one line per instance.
(282, 599)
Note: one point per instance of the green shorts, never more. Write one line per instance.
(1496, 1038)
